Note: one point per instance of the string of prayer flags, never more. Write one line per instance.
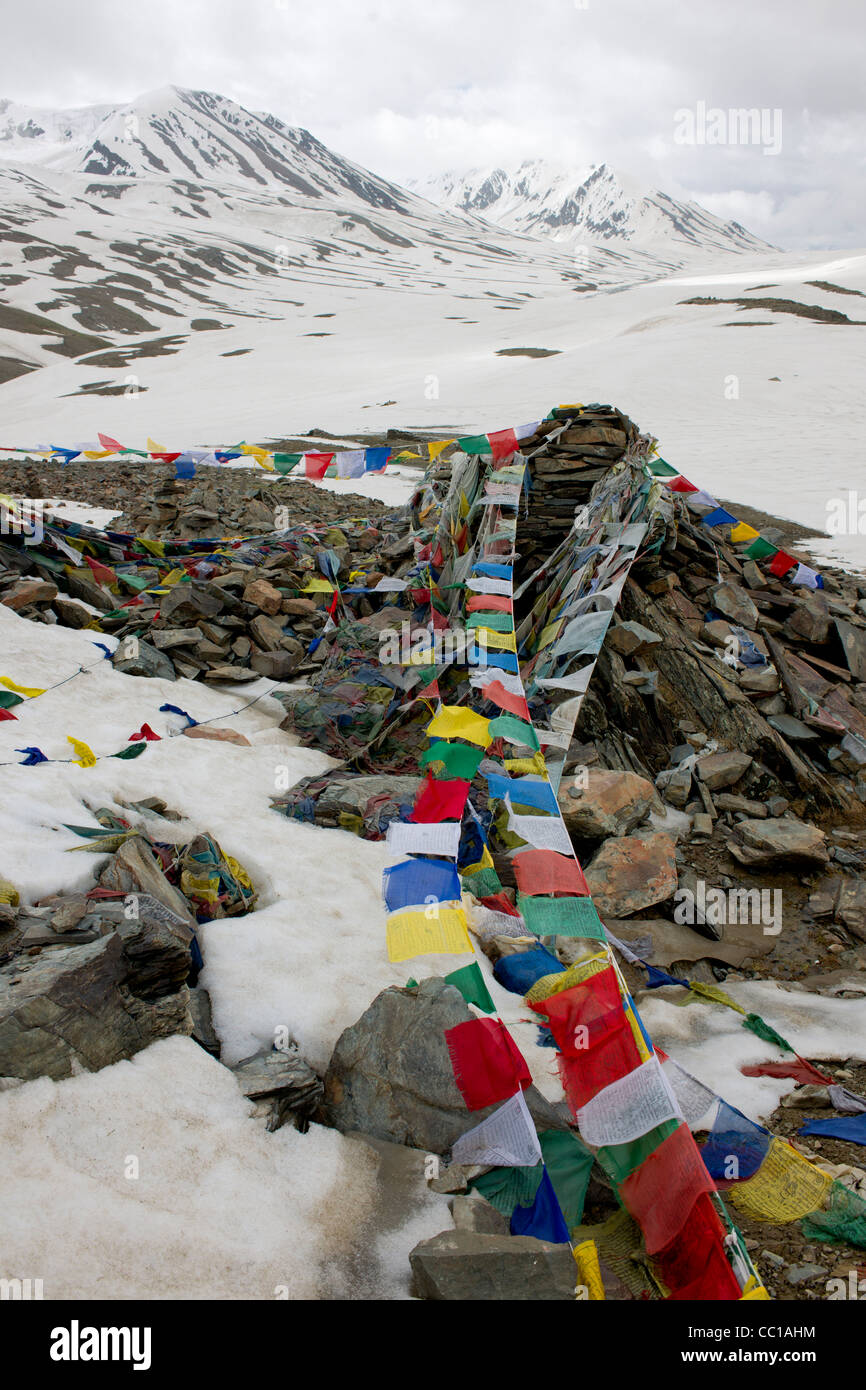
(488, 1066)
(507, 1139)
(661, 1193)
(629, 1107)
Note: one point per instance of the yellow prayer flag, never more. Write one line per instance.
(464, 505)
(564, 979)
(743, 532)
(549, 634)
(456, 721)
(531, 767)
(155, 547)
(589, 1270)
(86, 756)
(753, 1289)
(318, 586)
(435, 447)
(97, 453)
(443, 932)
(28, 691)
(785, 1188)
(718, 996)
(154, 448)
(499, 641)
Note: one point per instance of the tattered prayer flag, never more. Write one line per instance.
(145, 732)
(851, 1128)
(490, 603)
(523, 791)
(569, 1164)
(507, 1138)
(32, 756)
(781, 563)
(417, 934)
(629, 1107)
(101, 573)
(519, 971)
(176, 709)
(440, 800)
(515, 730)
(756, 1025)
(488, 1066)
(503, 443)
(497, 694)
(496, 622)
(499, 641)
(800, 1071)
(113, 445)
(660, 468)
(86, 756)
(457, 721)
(743, 532)
(9, 701)
(544, 1219)
(546, 872)
(435, 447)
(472, 985)
(459, 759)
(29, 692)
(420, 881)
(376, 459)
(761, 549)
(561, 916)
(661, 1193)
(316, 465)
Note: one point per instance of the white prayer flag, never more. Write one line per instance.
(409, 838)
(629, 1107)
(506, 1139)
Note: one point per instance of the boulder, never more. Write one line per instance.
(139, 658)
(135, 869)
(72, 614)
(277, 666)
(282, 1082)
(851, 907)
(720, 770)
(26, 591)
(167, 637)
(632, 873)
(266, 632)
(775, 843)
(463, 1266)
(79, 1008)
(630, 638)
(612, 803)
(391, 1077)
(853, 640)
(732, 601)
(263, 596)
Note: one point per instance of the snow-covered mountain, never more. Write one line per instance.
(598, 206)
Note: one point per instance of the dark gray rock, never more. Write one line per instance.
(284, 1082)
(135, 657)
(470, 1266)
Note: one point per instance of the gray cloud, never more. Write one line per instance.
(412, 89)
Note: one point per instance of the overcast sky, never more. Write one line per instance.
(409, 88)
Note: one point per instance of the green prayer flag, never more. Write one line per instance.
(474, 444)
(756, 1025)
(484, 884)
(516, 730)
(761, 549)
(133, 751)
(284, 463)
(472, 985)
(460, 760)
(561, 916)
(507, 1188)
(8, 698)
(660, 468)
(497, 622)
(569, 1163)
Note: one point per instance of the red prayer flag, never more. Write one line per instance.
(546, 872)
(694, 1266)
(488, 1065)
(800, 1071)
(440, 800)
(681, 484)
(590, 1027)
(503, 443)
(316, 465)
(167, 458)
(662, 1192)
(498, 902)
(108, 443)
(7, 714)
(514, 704)
(781, 563)
(145, 732)
(100, 572)
(490, 603)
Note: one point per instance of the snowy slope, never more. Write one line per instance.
(598, 206)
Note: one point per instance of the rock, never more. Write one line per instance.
(135, 657)
(612, 803)
(231, 673)
(730, 801)
(282, 1079)
(679, 786)
(277, 666)
(298, 607)
(390, 1075)
(66, 912)
(166, 637)
(72, 614)
(632, 873)
(135, 869)
(763, 681)
(778, 842)
(210, 731)
(266, 632)
(203, 1031)
(85, 1007)
(810, 620)
(777, 805)
(475, 1214)
(753, 576)
(204, 600)
(734, 603)
(263, 596)
(468, 1266)
(81, 584)
(630, 638)
(794, 730)
(24, 592)
(803, 1274)
(853, 640)
(702, 826)
(850, 907)
(720, 770)
(808, 1097)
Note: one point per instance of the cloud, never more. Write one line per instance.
(410, 90)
